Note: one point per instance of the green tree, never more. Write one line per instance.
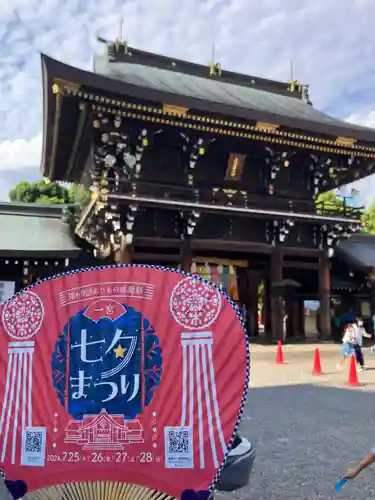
(79, 195)
(49, 193)
(329, 201)
(369, 218)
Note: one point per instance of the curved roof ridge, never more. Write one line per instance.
(123, 54)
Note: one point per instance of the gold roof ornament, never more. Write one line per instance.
(215, 68)
(173, 110)
(266, 127)
(111, 47)
(121, 43)
(345, 141)
(294, 86)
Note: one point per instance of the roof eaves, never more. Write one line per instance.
(32, 209)
(106, 83)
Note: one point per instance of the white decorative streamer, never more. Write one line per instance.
(184, 386)
(17, 397)
(208, 406)
(200, 411)
(193, 345)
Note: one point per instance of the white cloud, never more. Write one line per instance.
(364, 116)
(21, 153)
(330, 42)
(366, 187)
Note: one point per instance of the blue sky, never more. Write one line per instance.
(332, 44)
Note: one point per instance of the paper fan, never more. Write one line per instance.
(120, 381)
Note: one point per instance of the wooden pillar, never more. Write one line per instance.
(251, 301)
(292, 326)
(288, 310)
(277, 300)
(242, 293)
(186, 258)
(325, 296)
(266, 313)
(301, 317)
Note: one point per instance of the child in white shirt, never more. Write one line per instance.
(348, 344)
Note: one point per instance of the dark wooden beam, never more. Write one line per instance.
(157, 242)
(244, 246)
(301, 265)
(301, 252)
(228, 245)
(150, 258)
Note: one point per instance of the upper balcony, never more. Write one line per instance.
(234, 203)
(343, 209)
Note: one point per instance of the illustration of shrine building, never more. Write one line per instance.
(103, 432)
(208, 170)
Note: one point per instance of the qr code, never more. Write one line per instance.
(179, 450)
(34, 446)
(178, 441)
(34, 441)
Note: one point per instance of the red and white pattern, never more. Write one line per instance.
(22, 316)
(195, 304)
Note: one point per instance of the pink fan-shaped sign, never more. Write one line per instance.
(133, 374)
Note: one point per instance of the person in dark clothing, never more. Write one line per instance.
(17, 489)
(360, 332)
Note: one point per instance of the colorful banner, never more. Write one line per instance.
(223, 275)
(131, 374)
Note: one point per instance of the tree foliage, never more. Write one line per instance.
(336, 203)
(369, 218)
(329, 201)
(49, 193)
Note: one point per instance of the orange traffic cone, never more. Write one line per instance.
(317, 368)
(279, 353)
(353, 377)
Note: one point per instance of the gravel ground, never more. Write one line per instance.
(306, 430)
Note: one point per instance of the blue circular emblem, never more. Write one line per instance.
(108, 356)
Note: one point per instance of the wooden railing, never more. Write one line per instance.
(240, 198)
(342, 209)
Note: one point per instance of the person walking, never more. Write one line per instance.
(348, 344)
(360, 332)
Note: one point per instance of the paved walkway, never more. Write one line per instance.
(307, 430)
(299, 364)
